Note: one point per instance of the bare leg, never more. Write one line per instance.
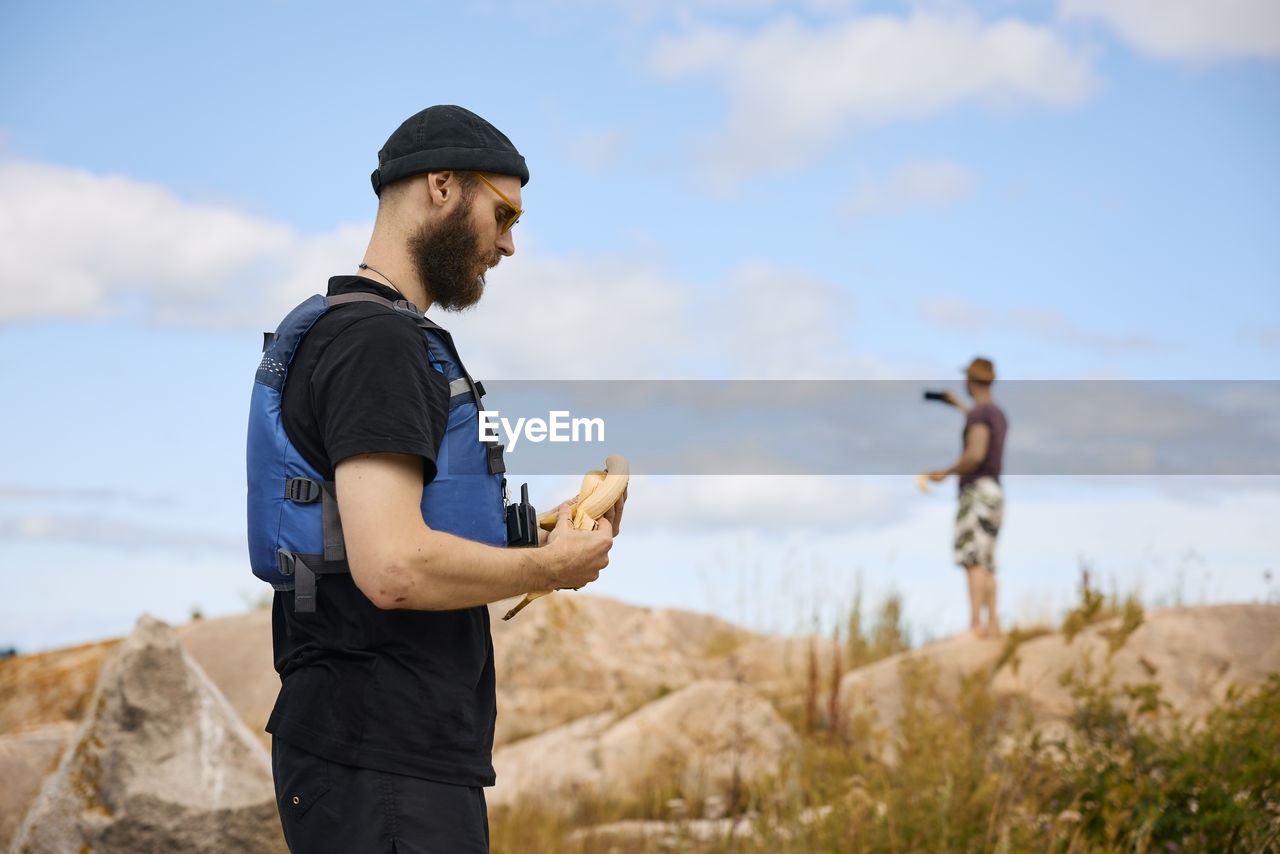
(989, 601)
(976, 597)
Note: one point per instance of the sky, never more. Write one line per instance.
(729, 190)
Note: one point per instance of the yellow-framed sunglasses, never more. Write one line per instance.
(515, 211)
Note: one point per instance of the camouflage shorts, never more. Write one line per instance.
(978, 523)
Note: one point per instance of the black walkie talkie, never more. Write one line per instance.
(522, 521)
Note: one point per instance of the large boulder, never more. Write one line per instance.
(709, 738)
(873, 696)
(572, 654)
(26, 758)
(556, 767)
(236, 654)
(1194, 654)
(160, 762)
(706, 739)
(783, 666)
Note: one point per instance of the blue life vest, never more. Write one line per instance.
(295, 532)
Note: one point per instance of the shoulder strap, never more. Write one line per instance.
(411, 311)
(400, 306)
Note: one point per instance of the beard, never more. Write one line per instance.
(449, 260)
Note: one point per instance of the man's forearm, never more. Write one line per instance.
(397, 561)
(443, 572)
(421, 569)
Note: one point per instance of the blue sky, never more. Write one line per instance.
(726, 189)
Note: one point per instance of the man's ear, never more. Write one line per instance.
(441, 186)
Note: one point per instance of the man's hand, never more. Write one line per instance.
(614, 513)
(937, 476)
(949, 397)
(580, 555)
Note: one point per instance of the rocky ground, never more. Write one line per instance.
(155, 742)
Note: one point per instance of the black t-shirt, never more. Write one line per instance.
(993, 417)
(410, 692)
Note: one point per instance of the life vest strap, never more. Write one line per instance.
(304, 568)
(335, 546)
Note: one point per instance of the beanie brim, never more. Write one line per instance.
(444, 159)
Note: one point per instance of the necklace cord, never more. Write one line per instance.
(364, 266)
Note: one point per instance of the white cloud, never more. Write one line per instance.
(919, 184)
(954, 314)
(73, 243)
(576, 317)
(780, 503)
(1263, 335)
(795, 89)
(112, 533)
(77, 244)
(1048, 324)
(614, 317)
(769, 322)
(1197, 30)
(650, 10)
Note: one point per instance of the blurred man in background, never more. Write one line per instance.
(981, 497)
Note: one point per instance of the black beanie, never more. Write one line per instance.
(442, 138)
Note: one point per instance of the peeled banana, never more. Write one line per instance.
(600, 490)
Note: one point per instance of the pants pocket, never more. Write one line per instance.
(302, 780)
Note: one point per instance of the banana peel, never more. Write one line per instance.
(600, 490)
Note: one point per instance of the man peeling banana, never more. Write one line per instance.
(378, 511)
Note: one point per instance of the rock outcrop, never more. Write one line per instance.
(1193, 654)
(597, 699)
(874, 695)
(572, 654)
(161, 762)
(781, 666)
(26, 758)
(235, 652)
(706, 740)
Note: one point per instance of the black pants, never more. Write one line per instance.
(329, 807)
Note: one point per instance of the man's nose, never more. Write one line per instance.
(506, 244)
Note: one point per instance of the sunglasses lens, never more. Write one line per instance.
(510, 223)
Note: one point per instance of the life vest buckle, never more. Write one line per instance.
(302, 490)
(408, 309)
